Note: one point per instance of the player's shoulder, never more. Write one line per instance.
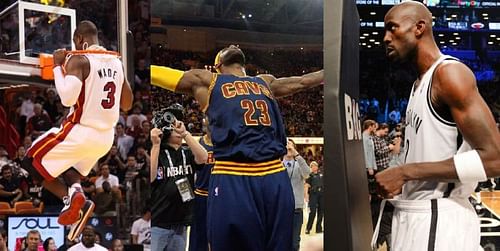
(77, 59)
(204, 75)
(452, 81)
(268, 78)
(452, 68)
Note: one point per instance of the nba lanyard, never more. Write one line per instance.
(170, 159)
(293, 168)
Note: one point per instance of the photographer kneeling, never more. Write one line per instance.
(172, 179)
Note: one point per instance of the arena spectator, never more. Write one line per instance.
(106, 176)
(10, 186)
(384, 148)
(117, 245)
(50, 104)
(33, 239)
(137, 115)
(88, 241)
(124, 142)
(141, 230)
(49, 244)
(314, 196)
(115, 162)
(105, 201)
(20, 153)
(32, 190)
(142, 157)
(298, 171)
(39, 123)
(3, 240)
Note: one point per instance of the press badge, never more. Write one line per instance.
(184, 189)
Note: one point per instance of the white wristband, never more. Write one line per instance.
(469, 167)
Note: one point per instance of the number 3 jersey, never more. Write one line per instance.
(429, 137)
(98, 105)
(244, 120)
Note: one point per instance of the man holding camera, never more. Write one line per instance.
(298, 171)
(172, 179)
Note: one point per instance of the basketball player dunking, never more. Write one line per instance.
(441, 170)
(250, 199)
(95, 88)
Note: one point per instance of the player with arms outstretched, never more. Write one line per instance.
(250, 198)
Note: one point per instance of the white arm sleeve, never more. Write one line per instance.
(68, 87)
(469, 167)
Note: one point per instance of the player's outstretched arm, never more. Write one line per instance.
(290, 85)
(69, 84)
(455, 87)
(193, 82)
(127, 97)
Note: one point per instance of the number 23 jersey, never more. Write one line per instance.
(244, 120)
(98, 105)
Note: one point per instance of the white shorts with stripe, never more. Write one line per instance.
(71, 145)
(434, 225)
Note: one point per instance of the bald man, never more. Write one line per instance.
(92, 83)
(451, 138)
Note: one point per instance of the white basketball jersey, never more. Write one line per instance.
(98, 105)
(428, 137)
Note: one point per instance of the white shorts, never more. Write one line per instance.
(71, 145)
(441, 225)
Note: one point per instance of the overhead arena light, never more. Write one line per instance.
(486, 18)
(369, 46)
(485, 14)
(366, 34)
(493, 35)
(377, 42)
(441, 35)
(451, 40)
(373, 13)
(490, 42)
(361, 37)
(372, 40)
(458, 38)
(375, 33)
(441, 42)
(454, 15)
(363, 43)
(455, 33)
(454, 43)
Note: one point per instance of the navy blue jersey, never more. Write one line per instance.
(203, 174)
(244, 120)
